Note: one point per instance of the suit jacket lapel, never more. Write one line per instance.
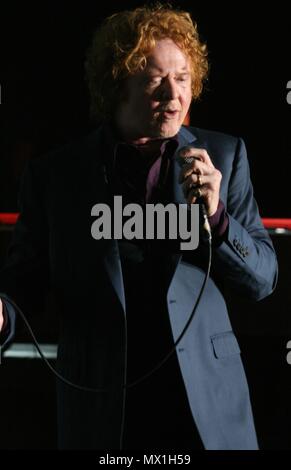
(111, 257)
(176, 193)
(184, 138)
(112, 265)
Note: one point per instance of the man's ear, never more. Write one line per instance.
(186, 121)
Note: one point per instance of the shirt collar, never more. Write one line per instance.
(111, 142)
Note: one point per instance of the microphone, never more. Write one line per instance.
(184, 161)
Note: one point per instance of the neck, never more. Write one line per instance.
(146, 145)
(140, 141)
(129, 133)
(150, 147)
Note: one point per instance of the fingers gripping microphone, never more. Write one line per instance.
(185, 161)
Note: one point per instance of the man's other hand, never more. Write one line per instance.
(1, 315)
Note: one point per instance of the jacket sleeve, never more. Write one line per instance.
(24, 277)
(246, 258)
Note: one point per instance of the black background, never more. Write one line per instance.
(44, 103)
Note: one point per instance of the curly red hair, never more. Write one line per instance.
(121, 45)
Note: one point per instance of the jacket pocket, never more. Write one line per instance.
(225, 345)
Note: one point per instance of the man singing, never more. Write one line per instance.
(123, 303)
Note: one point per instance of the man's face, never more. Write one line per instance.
(157, 98)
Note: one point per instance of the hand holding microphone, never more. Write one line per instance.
(199, 178)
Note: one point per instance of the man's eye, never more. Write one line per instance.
(154, 80)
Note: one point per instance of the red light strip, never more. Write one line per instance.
(8, 218)
(11, 218)
(277, 223)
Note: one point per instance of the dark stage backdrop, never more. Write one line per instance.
(44, 104)
(44, 101)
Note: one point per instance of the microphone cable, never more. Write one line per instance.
(155, 368)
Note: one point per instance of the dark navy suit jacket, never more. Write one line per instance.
(52, 249)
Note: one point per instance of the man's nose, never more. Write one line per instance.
(169, 90)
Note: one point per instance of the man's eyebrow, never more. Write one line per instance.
(152, 68)
(158, 70)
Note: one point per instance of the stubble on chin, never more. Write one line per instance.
(167, 130)
(162, 130)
